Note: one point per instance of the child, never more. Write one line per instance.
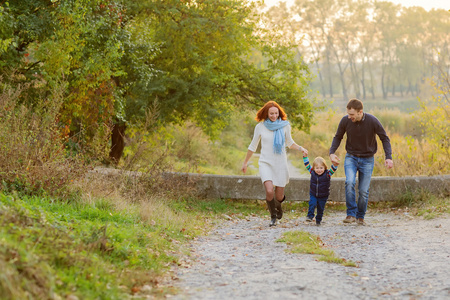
(319, 187)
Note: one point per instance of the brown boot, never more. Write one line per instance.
(272, 211)
(278, 207)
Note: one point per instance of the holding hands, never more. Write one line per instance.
(304, 151)
(334, 159)
(389, 164)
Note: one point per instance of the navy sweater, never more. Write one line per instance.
(361, 137)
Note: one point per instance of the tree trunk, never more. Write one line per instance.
(330, 79)
(117, 142)
(372, 84)
(322, 85)
(363, 79)
(315, 49)
(341, 74)
(344, 88)
(410, 89)
(383, 88)
(354, 74)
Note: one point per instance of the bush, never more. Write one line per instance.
(33, 156)
(186, 148)
(399, 122)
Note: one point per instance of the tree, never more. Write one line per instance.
(434, 115)
(282, 19)
(116, 58)
(76, 43)
(204, 68)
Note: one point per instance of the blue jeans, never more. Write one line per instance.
(364, 167)
(320, 203)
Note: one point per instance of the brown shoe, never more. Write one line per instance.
(360, 221)
(350, 219)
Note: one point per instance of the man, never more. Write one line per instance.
(361, 146)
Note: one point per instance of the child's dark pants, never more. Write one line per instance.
(320, 203)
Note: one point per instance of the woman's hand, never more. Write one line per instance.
(247, 158)
(244, 167)
(304, 151)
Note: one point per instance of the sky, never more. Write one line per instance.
(427, 4)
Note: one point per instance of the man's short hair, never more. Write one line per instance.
(356, 104)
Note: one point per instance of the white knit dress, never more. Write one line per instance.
(272, 166)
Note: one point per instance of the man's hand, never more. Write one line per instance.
(334, 159)
(389, 163)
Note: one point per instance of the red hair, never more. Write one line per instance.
(263, 112)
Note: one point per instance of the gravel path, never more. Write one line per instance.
(398, 257)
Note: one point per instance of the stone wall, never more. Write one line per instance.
(250, 187)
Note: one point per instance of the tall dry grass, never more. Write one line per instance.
(33, 157)
(413, 152)
(146, 179)
(186, 148)
(153, 196)
(413, 157)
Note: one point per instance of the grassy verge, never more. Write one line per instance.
(419, 203)
(102, 248)
(304, 242)
(52, 250)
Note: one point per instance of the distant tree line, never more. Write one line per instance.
(366, 48)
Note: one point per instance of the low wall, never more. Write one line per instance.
(250, 187)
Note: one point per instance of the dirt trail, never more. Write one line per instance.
(399, 257)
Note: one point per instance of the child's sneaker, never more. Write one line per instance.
(317, 223)
(309, 220)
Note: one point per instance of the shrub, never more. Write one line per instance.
(399, 122)
(33, 156)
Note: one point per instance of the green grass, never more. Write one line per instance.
(216, 208)
(304, 242)
(51, 249)
(420, 203)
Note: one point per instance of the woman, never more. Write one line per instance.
(274, 131)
